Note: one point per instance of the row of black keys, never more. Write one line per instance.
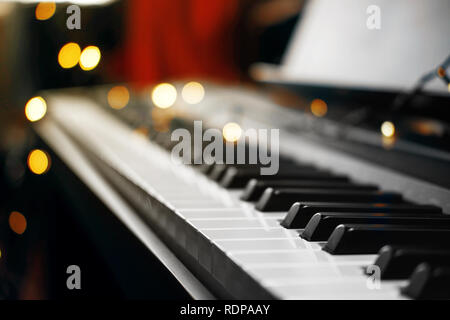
(352, 219)
(355, 218)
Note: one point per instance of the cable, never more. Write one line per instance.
(402, 100)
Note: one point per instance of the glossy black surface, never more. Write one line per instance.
(369, 239)
(299, 214)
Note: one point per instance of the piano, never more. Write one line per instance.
(336, 227)
(354, 212)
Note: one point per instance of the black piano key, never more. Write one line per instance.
(397, 262)
(220, 169)
(282, 199)
(369, 239)
(238, 178)
(217, 172)
(255, 187)
(286, 164)
(300, 213)
(429, 282)
(321, 225)
(205, 168)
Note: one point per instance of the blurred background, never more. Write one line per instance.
(140, 42)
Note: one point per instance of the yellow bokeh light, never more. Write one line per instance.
(17, 222)
(69, 55)
(388, 129)
(193, 92)
(38, 161)
(90, 58)
(232, 132)
(35, 109)
(118, 97)
(45, 10)
(164, 95)
(319, 108)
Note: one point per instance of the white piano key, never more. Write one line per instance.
(236, 194)
(208, 204)
(308, 271)
(187, 197)
(212, 213)
(360, 258)
(313, 245)
(237, 223)
(279, 233)
(356, 289)
(250, 259)
(233, 246)
(218, 213)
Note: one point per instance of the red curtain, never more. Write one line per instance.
(180, 39)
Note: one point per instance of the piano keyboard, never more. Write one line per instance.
(252, 237)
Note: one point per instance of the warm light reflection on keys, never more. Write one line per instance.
(232, 132)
